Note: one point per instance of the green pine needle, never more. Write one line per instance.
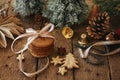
(66, 12)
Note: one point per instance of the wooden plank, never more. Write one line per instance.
(114, 66)
(51, 72)
(114, 60)
(87, 71)
(9, 65)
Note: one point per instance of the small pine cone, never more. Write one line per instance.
(99, 25)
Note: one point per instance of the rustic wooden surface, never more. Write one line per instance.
(9, 65)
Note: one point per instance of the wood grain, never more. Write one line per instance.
(9, 69)
(114, 64)
(115, 67)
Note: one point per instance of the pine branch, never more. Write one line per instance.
(28, 7)
(66, 12)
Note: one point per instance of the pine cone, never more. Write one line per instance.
(99, 25)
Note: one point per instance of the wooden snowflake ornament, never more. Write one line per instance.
(70, 62)
(62, 70)
(56, 60)
(20, 56)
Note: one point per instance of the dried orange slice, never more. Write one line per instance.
(67, 32)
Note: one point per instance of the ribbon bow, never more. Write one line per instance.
(84, 54)
(32, 35)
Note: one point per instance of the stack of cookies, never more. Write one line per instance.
(41, 47)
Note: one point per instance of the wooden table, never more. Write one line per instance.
(9, 65)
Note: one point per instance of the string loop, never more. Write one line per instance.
(31, 35)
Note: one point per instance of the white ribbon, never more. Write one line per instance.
(32, 35)
(84, 54)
